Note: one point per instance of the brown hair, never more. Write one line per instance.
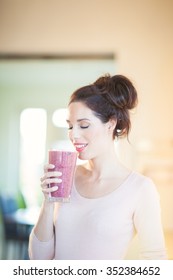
(109, 98)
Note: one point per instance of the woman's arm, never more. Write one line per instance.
(41, 242)
(147, 219)
(44, 229)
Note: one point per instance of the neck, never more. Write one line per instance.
(104, 165)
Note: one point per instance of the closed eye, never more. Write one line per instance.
(84, 126)
(82, 123)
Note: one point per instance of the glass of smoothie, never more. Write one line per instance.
(65, 162)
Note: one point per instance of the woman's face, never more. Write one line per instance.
(88, 134)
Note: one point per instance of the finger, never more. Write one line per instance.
(48, 190)
(50, 174)
(48, 166)
(53, 174)
(51, 180)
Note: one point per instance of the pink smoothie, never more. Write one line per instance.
(65, 162)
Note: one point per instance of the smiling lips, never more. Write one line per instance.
(80, 147)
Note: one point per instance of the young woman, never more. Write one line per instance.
(110, 204)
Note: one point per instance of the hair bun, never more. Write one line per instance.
(118, 90)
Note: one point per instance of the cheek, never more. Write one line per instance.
(93, 135)
(69, 135)
(98, 136)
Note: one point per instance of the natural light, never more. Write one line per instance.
(33, 123)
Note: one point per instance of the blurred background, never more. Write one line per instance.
(48, 48)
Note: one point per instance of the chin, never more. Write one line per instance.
(81, 157)
(85, 157)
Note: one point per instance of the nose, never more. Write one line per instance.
(74, 134)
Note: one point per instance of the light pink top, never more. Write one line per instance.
(103, 228)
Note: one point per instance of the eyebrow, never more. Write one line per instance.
(79, 120)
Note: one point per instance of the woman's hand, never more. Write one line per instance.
(48, 178)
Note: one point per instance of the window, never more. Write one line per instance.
(33, 124)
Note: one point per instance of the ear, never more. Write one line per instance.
(112, 124)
